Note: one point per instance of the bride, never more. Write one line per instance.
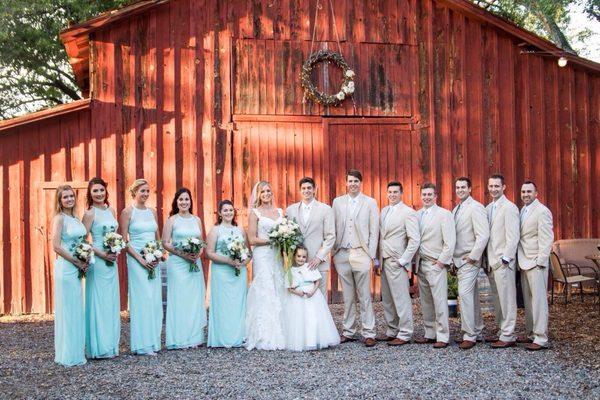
(264, 329)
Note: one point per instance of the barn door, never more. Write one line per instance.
(43, 277)
(380, 148)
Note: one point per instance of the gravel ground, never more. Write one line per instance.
(570, 369)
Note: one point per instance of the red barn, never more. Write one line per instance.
(207, 94)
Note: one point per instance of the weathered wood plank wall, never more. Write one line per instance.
(206, 94)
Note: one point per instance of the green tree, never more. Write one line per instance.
(34, 69)
(547, 18)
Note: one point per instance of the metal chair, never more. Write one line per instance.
(562, 273)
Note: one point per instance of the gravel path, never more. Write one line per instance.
(571, 369)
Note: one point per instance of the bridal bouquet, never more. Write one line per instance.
(83, 251)
(191, 245)
(113, 242)
(153, 252)
(238, 251)
(285, 237)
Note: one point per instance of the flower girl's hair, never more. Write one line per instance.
(136, 185)
(58, 208)
(255, 198)
(299, 247)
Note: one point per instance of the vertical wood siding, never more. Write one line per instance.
(206, 94)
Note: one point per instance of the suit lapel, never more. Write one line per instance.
(384, 218)
(313, 214)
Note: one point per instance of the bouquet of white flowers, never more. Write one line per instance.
(191, 245)
(238, 251)
(83, 251)
(153, 252)
(285, 237)
(113, 242)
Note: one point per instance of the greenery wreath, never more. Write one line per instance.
(310, 90)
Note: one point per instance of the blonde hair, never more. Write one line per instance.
(256, 202)
(58, 208)
(136, 185)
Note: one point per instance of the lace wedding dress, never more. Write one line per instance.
(264, 312)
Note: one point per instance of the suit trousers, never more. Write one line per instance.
(535, 285)
(323, 286)
(504, 279)
(433, 292)
(495, 301)
(395, 296)
(471, 322)
(354, 270)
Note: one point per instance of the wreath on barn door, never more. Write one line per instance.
(310, 89)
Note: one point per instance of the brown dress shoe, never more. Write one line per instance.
(502, 345)
(440, 345)
(397, 342)
(534, 347)
(424, 341)
(370, 342)
(467, 344)
(524, 339)
(385, 338)
(346, 339)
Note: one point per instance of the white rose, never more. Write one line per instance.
(350, 73)
(157, 253)
(340, 95)
(149, 257)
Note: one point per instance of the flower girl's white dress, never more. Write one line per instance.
(309, 324)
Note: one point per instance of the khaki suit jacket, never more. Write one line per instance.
(399, 235)
(504, 231)
(472, 231)
(366, 222)
(537, 236)
(438, 235)
(318, 231)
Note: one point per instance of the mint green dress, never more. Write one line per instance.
(186, 313)
(145, 295)
(226, 326)
(69, 321)
(102, 304)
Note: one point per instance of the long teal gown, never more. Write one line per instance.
(226, 326)
(69, 320)
(186, 314)
(102, 304)
(145, 295)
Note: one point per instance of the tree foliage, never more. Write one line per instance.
(34, 69)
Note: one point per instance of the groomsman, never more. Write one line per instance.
(438, 238)
(533, 255)
(398, 242)
(317, 226)
(472, 234)
(355, 248)
(501, 251)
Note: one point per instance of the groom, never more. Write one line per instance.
(317, 227)
(355, 248)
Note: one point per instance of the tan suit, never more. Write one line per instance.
(504, 239)
(319, 234)
(535, 246)
(438, 238)
(472, 234)
(399, 240)
(357, 232)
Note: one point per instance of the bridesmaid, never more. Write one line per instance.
(139, 225)
(228, 290)
(102, 303)
(69, 321)
(186, 314)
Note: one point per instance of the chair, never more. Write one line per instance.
(562, 273)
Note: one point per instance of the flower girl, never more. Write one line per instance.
(309, 325)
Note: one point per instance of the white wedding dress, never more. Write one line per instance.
(264, 304)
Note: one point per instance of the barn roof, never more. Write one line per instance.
(51, 112)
